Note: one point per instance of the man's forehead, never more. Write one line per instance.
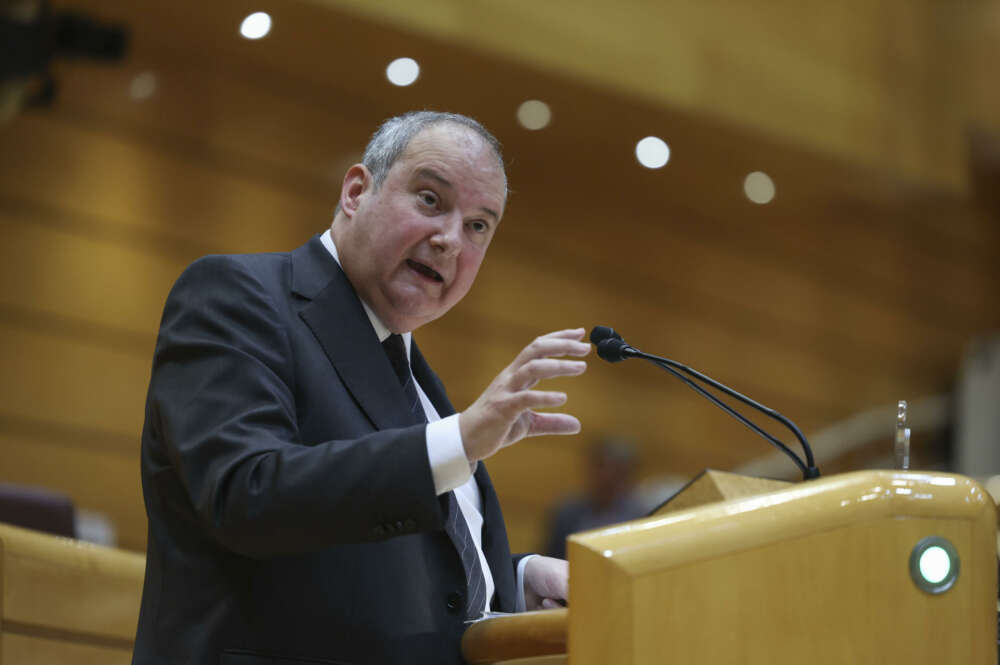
(431, 148)
(446, 137)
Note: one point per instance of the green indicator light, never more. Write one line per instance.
(935, 564)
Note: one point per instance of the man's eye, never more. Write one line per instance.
(479, 227)
(428, 198)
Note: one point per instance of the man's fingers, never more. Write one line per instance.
(536, 399)
(505, 412)
(551, 348)
(547, 346)
(568, 333)
(553, 423)
(548, 580)
(538, 369)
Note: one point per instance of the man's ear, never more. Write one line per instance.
(357, 182)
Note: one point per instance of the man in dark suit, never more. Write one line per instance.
(312, 495)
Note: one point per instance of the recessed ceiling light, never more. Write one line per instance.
(652, 152)
(256, 25)
(534, 114)
(143, 86)
(402, 71)
(759, 187)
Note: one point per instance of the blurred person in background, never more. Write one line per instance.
(610, 496)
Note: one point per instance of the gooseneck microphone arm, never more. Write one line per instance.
(611, 347)
(735, 414)
(808, 468)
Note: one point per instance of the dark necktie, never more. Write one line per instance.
(455, 525)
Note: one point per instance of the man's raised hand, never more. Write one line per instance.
(504, 413)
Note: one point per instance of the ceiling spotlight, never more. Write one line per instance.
(402, 71)
(256, 25)
(759, 187)
(534, 114)
(652, 152)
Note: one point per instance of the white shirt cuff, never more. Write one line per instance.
(519, 606)
(450, 467)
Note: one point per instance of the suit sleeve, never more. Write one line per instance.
(221, 432)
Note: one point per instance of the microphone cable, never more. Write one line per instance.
(612, 348)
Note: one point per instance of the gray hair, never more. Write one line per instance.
(393, 136)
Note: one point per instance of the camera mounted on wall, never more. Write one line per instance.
(34, 36)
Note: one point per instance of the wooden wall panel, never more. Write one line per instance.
(852, 289)
(99, 470)
(815, 373)
(296, 152)
(77, 275)
(51, 376)
(133, 184)
(888, 84)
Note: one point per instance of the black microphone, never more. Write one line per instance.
(601, 333)
(613, 350)
(611, 347)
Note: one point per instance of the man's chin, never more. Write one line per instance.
(405, 317)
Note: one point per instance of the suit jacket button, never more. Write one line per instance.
(410, 525)
(454, 602)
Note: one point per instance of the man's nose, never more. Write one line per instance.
(447, 238)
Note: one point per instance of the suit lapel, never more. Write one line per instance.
(336, 317)
(430, 383)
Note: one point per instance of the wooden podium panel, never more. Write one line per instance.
(818, 572)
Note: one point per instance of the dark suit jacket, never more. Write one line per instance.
(292, 512)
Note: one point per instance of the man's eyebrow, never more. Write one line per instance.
(434, 175)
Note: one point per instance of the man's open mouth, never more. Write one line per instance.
(426, 271)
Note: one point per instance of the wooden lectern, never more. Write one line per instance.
(867, 567)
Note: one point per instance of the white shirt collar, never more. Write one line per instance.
(380, 328)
